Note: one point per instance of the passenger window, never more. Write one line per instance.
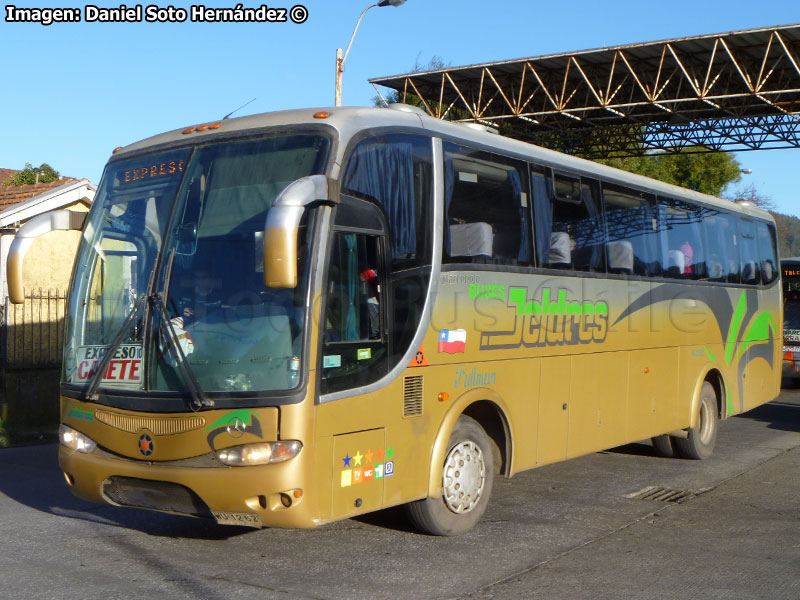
(395, 171)
(768, 258)
(569, 230)
(722, 260)
(487, 218)
(354, 345)
(748, 251)
(633, 232)
(682, 239)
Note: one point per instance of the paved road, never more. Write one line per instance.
(572, 530)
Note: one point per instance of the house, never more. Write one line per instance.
(48, 263)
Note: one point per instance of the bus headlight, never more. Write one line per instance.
(74, 440)
(259, 454)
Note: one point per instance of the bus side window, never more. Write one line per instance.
(354, 345)
(567, 214)
(682, 239)
(748, 252)
(721, 236)
(395, 172)
(633, 229)
(766, 252)
(486, 208)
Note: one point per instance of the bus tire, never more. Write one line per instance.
(467, 478)
(700, 442)
(663, 446)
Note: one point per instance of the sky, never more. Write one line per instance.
(72, 92)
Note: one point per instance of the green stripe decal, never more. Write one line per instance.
(245, 415)
(710, 355)
(728, 400)
(736, 325)
(757, 332)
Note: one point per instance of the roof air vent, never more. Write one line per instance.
(407, 108)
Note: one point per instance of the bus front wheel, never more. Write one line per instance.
(467, 478)
(700, 442)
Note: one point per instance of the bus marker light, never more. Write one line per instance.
(202, 127)
(188, 130)
(444, 397)
(298, 493)
(117, 149)
(216, 125)
(647, 369)
(322, 115)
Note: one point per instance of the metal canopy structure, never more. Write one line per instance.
(726, 92)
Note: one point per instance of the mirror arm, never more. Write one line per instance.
(283, 223)
(58, 220)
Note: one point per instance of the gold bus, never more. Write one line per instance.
(292, 318)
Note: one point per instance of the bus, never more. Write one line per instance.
(790, 272)
(297, 317)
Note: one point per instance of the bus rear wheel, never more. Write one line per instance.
(467, 479)
(700, 442)
(663, 446)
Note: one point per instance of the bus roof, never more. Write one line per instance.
(348, 121)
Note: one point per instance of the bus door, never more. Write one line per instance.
(355, 349)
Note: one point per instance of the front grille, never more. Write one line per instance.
(156, 425)
(164, 496)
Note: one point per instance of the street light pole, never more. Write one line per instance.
(340, 58)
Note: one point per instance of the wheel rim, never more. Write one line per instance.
(464, 477)
(705, 428)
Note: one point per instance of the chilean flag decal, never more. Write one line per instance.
(452, 341)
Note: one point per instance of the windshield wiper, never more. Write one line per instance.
(166, 330)
(199, 400)
(97, 376)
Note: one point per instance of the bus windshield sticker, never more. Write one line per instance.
(452, 341)
(332, 361)
(125, 368)
(364, 353)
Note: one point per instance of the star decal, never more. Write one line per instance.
(389, 452)
(379, 455)
(346, 460)
(357, 458)
(368, 456)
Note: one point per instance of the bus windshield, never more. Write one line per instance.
(170, 273)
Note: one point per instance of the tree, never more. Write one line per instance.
(30, 175)
(705, 171)
(749, 193)
(436, 63)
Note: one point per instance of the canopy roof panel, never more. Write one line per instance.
(731, 91)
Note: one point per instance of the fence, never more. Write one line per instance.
(32, 333)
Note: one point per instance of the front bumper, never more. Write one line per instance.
(267, 495)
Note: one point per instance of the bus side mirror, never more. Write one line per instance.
(58, 220)
(283, 223)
